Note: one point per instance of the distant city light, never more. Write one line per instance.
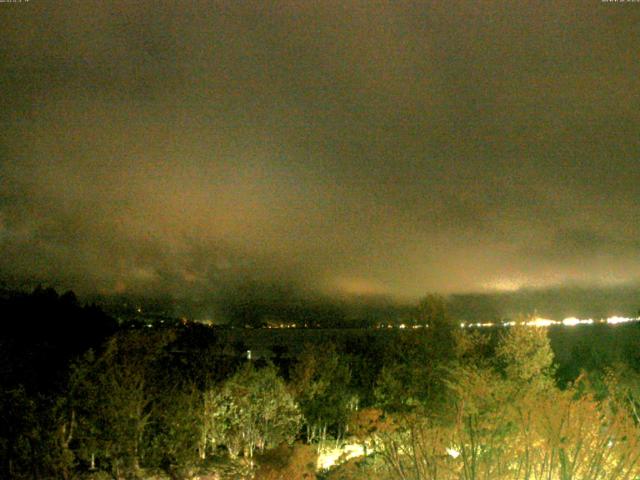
(571, 321)
(533, 322)
(541, 322)
(615, 320)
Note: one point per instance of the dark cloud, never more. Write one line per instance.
(338, 146)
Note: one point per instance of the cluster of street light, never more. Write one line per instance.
(533, 322)
(547, 322)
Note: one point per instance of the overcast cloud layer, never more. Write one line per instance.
(359, 147)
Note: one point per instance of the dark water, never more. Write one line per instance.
(588, 343)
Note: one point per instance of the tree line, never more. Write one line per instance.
(82, 398)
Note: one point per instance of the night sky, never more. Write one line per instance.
(365, 147)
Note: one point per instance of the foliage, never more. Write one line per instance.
(455, 404)
(402, 387)
(621, 385)
(320, 383)
(413, 372)
(525, 356)
(511, 422)
(536, 435)
(251, 410)
(175, 440)
(34, 436)
(472, 346)
(115, 401)
(433, 312)
(296, 462)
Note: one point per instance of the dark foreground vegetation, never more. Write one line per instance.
(82, 397)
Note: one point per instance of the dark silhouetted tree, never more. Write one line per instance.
(320, 381)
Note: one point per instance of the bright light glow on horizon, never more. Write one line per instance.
(571, 321)
(533, 322)
(616, 320)
(541, 322)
